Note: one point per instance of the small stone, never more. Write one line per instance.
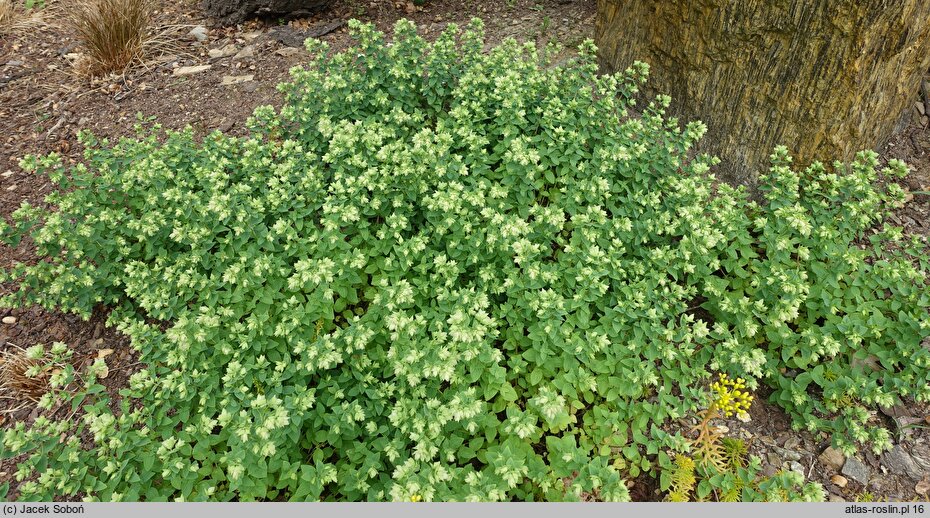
(287, 51)
(249, 36)
(14, 63)
(234, 80)
(856, 470)
(835, 498)
(796, 467)
(7, 173)
(103, 353)
(832, 458)
(839, 480)
(743, 417)
(9, 320)
(247, 52)
(920, 107)
(769, 470)
(924, 120)
(250, 87)
(792, 443)
(199, 33)
(923, 487)
(900, 462)
(223, 52)
(186, 71)
(721, 429)
(772, 459)
(789, 455)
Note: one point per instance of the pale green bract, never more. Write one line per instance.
(450, 274)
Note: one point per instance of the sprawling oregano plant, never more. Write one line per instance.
(446, 274)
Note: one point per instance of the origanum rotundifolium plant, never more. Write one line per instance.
(440, 273)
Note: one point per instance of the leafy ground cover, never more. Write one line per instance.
(435, 274)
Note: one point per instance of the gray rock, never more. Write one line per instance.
(788, 455)
(920, 452)
(832, 458)
(769, 470)
(856, 470)
(234, 80)
(835, 498)
(900, 462)
(186, 71)
(9, 320)
(247, 52)
(797, 468)
(223, 52)
(287, 51)
(199, 33)
(792, 443)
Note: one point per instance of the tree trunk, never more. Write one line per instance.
(826, 78)
(228, 12)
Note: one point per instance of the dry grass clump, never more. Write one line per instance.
(15, 15)
(7, 14)
(23, 377)
(114, 32)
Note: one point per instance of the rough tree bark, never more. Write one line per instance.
(228, 12)
(826, 78)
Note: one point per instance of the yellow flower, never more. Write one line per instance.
(730, 398)
(416, 498)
